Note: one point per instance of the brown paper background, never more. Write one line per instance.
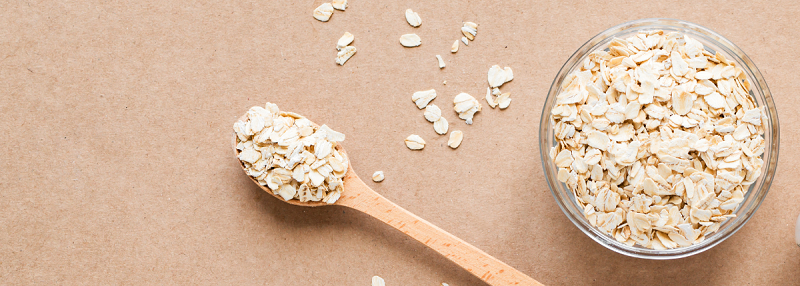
(116, 164)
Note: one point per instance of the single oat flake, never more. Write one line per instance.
(468, 32)
(345, 54)
(504, 100)
(490, 99)
(659, 139)
(454, 47)
(466, 106)
(432, 113)
(498, 76)
(378, 281)
(441, 62)
(339, 4)
(323, 12)
(441, 126)
(422, 98)
(471, 25)
(455, 139)
(413, 18)
(377, 176)
(410, 40)
(345, 40)
(414, 142)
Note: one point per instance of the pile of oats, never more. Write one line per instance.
(658, 139)
(289, 154)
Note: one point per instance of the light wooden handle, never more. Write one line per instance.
(494, 272)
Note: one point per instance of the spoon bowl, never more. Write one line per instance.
(269, 191)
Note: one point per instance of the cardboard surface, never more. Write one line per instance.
(117, 168)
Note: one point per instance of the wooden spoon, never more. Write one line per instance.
(358, 196)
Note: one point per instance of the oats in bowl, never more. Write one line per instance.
(657, 138)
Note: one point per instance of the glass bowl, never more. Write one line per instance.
(713, 42)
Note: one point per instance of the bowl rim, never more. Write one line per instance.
(770, 160)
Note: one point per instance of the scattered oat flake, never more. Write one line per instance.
(466, 106)
(469, 30)
(468, 33)
(465, 41)
(504, 100)
(490, 98)
(454, 48)
(509, 74)
(410, 40)
(323, 12)
(345, 54)
(377, 176)
(377, 281)
(441, 126)
(345, 40)
(455, 139)
(422, 98)
(414, 142)
(497, 76)
(413, 18)
(441, 62)
(432, 113)
(339, 4)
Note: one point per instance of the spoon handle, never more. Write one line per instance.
(494, 272)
